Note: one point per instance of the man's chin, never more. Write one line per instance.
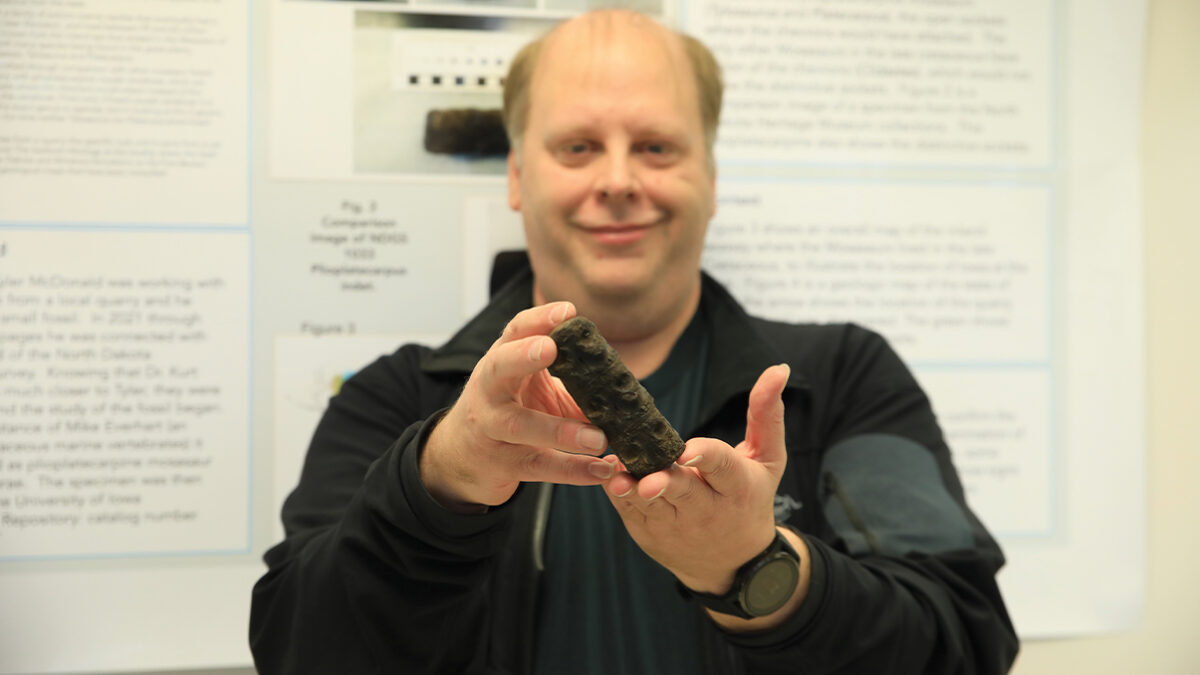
(619, 286)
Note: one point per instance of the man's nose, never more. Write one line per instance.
(617, 180)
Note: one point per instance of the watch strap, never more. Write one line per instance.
(731, 602)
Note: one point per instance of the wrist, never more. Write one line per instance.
(437, 472)
(715, 584)
(716, 581)
(769, 585)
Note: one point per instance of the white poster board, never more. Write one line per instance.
(210, 211)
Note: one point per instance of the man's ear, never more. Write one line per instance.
(514, 181)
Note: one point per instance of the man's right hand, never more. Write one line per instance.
(514, 422)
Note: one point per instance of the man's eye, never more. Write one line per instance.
(658, 149)
(575, 153)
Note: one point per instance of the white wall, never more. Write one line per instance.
(1167, 642)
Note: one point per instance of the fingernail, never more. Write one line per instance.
(660, 493)
(557, 314)
(629, 491)
(694, 461)
(601, 470)
(592, 439)
(535, 352)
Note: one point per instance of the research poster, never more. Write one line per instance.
(125, 424)
(213, 213)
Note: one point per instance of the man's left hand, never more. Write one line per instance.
(713, 510)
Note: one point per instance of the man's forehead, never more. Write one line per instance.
(599, 31)
(607, 20)
(603, 49)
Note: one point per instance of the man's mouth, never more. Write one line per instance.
(618, 234)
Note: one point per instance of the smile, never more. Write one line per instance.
(619, 234)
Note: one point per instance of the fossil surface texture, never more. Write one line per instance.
(613, 399)
(466, 132)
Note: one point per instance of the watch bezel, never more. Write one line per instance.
(779, 559)
(736, 601)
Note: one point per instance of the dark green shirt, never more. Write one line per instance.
(605, 606)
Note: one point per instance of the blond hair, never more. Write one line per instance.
(709, 87)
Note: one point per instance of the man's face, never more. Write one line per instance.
(613, 177)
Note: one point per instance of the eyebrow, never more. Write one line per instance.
(651, 130)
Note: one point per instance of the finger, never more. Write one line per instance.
(517, 425)
(675, 488)
(538, 320)
(551, 466)
(624, 503)
(654, 485)
(545, 392)
(764, 416)
(715, 462)
(622, 484)
(649, 495)
(644, 497)
(501, 372)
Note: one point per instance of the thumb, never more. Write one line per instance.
(764, 416)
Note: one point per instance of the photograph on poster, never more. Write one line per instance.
(531, 4)
(427, 91)
(647, 6)
(654, 7)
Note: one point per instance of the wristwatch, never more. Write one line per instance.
(761, 586)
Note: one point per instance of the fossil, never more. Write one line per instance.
(612, 398)
(466, 132)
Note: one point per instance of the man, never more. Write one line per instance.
(447, 523)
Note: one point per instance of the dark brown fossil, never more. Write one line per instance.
(612, 398)
(466, 132)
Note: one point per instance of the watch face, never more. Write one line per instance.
(771, 586)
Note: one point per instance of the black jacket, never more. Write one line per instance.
(375, 577)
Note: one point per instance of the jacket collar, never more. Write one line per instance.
(469, 344)
(737, 351)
